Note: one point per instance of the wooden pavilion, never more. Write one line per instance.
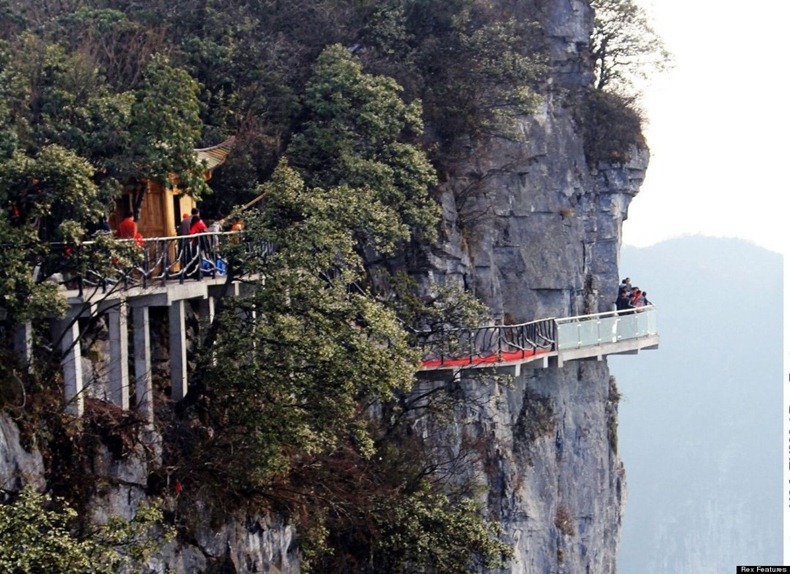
(162, 207)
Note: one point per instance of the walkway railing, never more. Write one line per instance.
(572, 337)
(143, 262)
(603, 328)
(147, 262)
(485, 345)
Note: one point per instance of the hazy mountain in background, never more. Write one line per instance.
(700, 427)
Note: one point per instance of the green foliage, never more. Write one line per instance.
(111, 41)
(611, 126)
(23, 296)
(53, 192)
(477, 66)
(279, 384)
(354, 136)
(68, 143)
(285, 405)
(426, 532)
(385, 513)
(37, 535)
(165, 125)
(624, 45)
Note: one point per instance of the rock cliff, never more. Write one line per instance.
(535, 232)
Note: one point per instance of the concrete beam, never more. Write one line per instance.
(67, 331)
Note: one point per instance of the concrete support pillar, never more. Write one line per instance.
(178, 350)
(206, 309)
(23, 343)
(119, 355)
(68, 332)
(144, 390)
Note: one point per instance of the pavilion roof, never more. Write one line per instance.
(214, 156)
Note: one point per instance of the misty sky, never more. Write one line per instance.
(718, 125)
(719, 134)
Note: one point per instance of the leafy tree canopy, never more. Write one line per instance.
(624, 45)
(356, 134)
(37, 534)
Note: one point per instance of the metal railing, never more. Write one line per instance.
(490, 344)
(144, 262)
(107, 263)
(520, 343)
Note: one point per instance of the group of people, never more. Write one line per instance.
(630, 297)
(192, 224)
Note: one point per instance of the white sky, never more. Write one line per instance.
(719, 133)
(719, 126)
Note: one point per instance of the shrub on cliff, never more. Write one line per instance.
(611, 125)
(39, 534)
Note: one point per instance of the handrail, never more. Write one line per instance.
(488, 344)
(150, 260)
(456, 348)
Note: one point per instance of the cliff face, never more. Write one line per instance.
(535, 233)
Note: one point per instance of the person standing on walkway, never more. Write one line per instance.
(186, 223)
(623, 302)
(198, 225)
(127, 228)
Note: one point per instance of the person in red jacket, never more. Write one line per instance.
(198, 225)
(127, 228)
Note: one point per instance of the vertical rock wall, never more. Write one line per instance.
(535, 232)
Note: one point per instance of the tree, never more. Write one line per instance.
(624, 45)
(288, 379)
(165, 124)
(480, 71)
(359, 133)
(290, 375)
(37, 535)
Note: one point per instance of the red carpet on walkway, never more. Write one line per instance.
(509, 357)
